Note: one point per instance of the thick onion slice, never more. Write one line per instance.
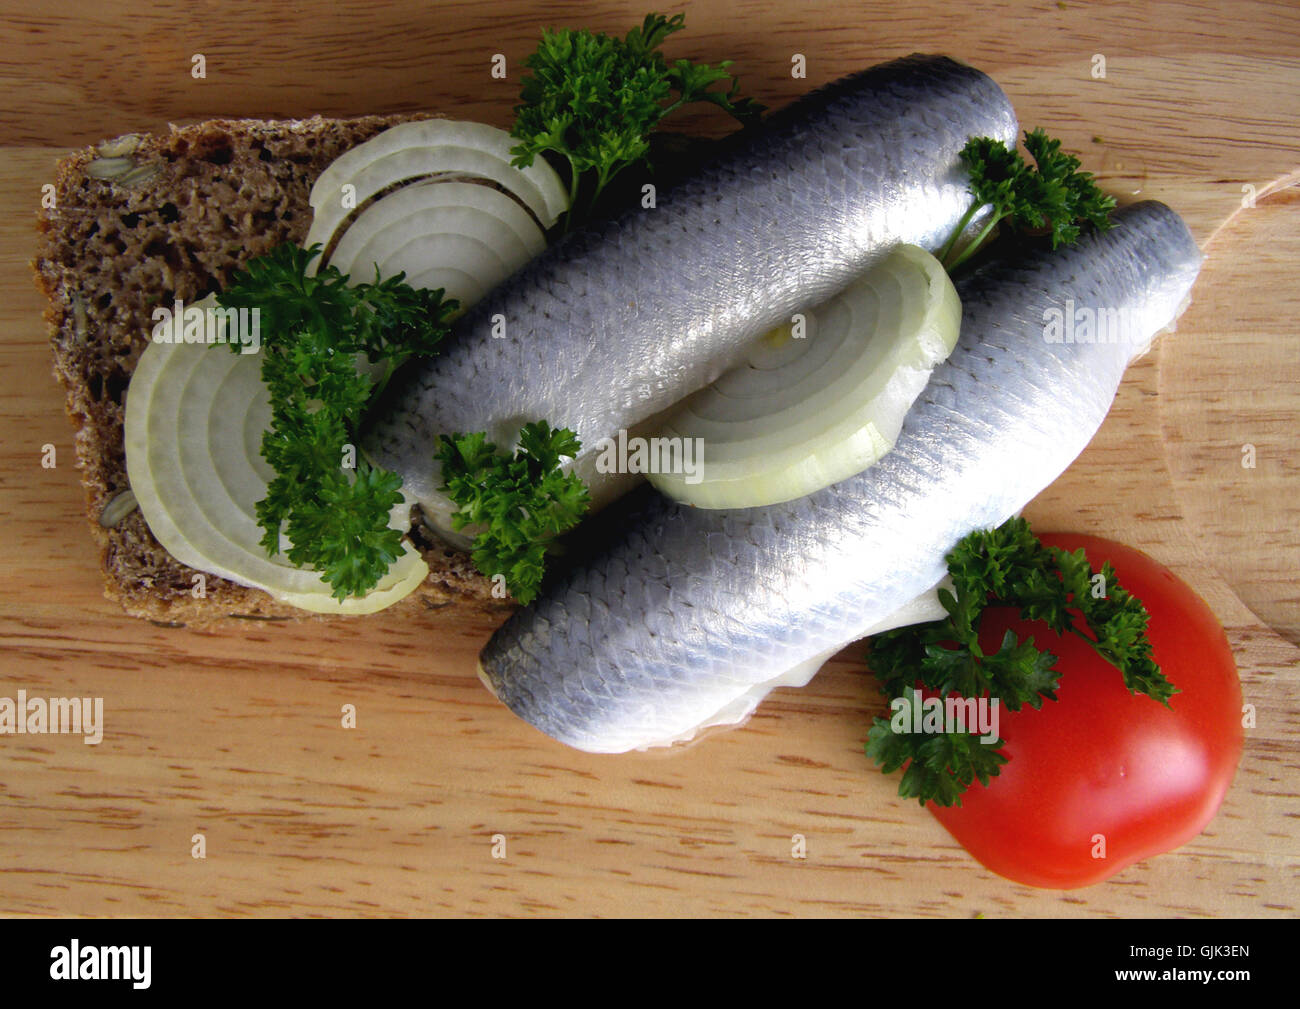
(194, 421)
(804, 413)
(459, 236)
(430, 147)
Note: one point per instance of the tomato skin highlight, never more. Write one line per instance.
(1102, 761)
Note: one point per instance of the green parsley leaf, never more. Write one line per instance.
(344, 528)
(315, 331)
(1007, 566)
(939, 766)
(517, 503)
(1053, 195)
(594, 99)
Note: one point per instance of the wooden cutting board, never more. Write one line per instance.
(235, 734)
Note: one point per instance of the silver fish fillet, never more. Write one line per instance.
(686, 617)
(614, 324)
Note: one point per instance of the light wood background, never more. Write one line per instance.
(235, 733)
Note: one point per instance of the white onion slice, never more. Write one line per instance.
(477, 212)
(455, 282)
(802, 414)
(428, 147)
(194, 418)
(458, 236)
(432, 248)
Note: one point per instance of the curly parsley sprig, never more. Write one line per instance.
(939, 766)
(594, 99)
(315, 329)
(518, 503)
(1054, 194)
(1007, 566)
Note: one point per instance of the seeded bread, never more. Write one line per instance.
(142, 220)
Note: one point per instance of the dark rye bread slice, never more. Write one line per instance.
(143, 220)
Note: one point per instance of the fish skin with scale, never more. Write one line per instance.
(615, 323)
(683, 611)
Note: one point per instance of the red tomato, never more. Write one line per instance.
(1101, 770)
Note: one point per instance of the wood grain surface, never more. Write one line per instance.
(235, 734)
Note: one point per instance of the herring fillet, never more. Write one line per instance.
(616, 323)
(688, 612)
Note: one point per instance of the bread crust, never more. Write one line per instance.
(190, 208)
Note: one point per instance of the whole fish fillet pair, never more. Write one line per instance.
(681, 618)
